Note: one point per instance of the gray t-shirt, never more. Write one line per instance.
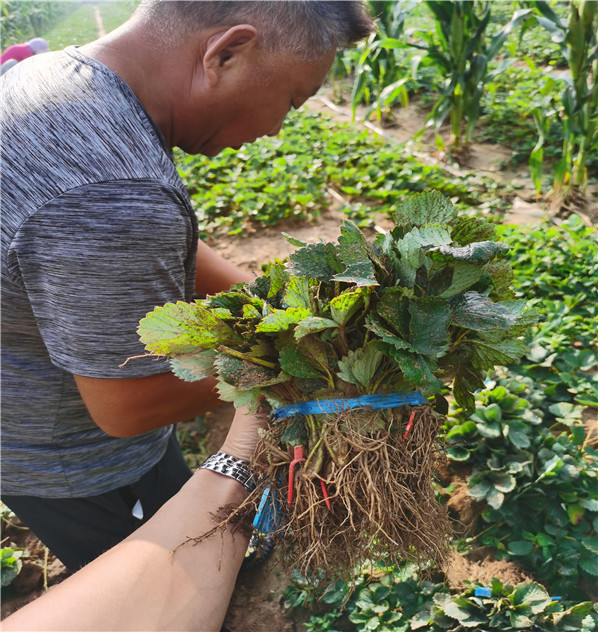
(97, 229)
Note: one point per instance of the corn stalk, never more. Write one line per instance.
(578, 41)
(460, 50)
(379, 79)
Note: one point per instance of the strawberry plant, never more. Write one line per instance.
(538, 481)
(350, 344)
(10, 563)
(556, 268)
(278, 179)
(503, 608)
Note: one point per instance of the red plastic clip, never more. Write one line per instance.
(325, 493)
(297, 458)
(409, 425)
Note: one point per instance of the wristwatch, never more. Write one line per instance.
(232, 467)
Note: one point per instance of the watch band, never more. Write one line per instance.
(232, 467)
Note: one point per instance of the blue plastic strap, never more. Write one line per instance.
(316, 407)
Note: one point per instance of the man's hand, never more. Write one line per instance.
(243, 434)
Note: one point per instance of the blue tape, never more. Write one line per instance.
(268, 517)
(392, 400)
(486, 591)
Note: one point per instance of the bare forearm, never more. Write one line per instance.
(215, 274)
(124, 408)
(140, 585)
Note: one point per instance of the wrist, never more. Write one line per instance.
(231, 467)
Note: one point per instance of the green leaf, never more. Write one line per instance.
(281, 319)
(184, 327)
(464, 613)
(293, 362)
(429, 325)
(495, 498)
(458, 454)
(313, 325)
(520, 547)
(464, 276)
(354, 253)
(191, 367)
(431, 235)
(249, 311)
(467, 230)
(589, 503)
(590, 542)
(374, 324)
(359, 367)
(297, 293)
(504, 482)
(278, 276)
(294, 241)
(343, 306)
(240, 399)
(429, 207)
(490, 351)
(533, 595)
(417, 370)
(478, 312)
(393, 306)
(318, 261)
(590, 565)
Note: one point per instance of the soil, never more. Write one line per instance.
(257, 604)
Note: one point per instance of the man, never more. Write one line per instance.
(98, 229)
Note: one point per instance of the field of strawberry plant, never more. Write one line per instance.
(398, 303)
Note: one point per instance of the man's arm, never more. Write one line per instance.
(131, 406)
(215, 274)
(140, 584)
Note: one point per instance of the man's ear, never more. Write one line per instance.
(224, 48)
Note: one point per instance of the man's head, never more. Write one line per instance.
(304, 28)
(228, 72)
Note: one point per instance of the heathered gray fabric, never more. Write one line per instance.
(97, 229)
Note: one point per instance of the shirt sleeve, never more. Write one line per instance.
(94, 262)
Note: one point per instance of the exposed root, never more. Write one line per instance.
(380, 491)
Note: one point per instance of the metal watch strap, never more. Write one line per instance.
(230, 466)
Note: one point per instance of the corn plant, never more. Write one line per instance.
(578, 108)
(378, 71)
(459, 48)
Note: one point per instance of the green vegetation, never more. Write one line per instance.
(23, 20)
(578, 42)
(78, 28)
(288, 177)
(530, 464)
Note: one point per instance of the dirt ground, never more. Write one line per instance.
(257, 602)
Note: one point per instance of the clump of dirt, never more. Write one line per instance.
(463, 507)
(484, 569)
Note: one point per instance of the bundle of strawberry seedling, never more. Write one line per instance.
(352, 347)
